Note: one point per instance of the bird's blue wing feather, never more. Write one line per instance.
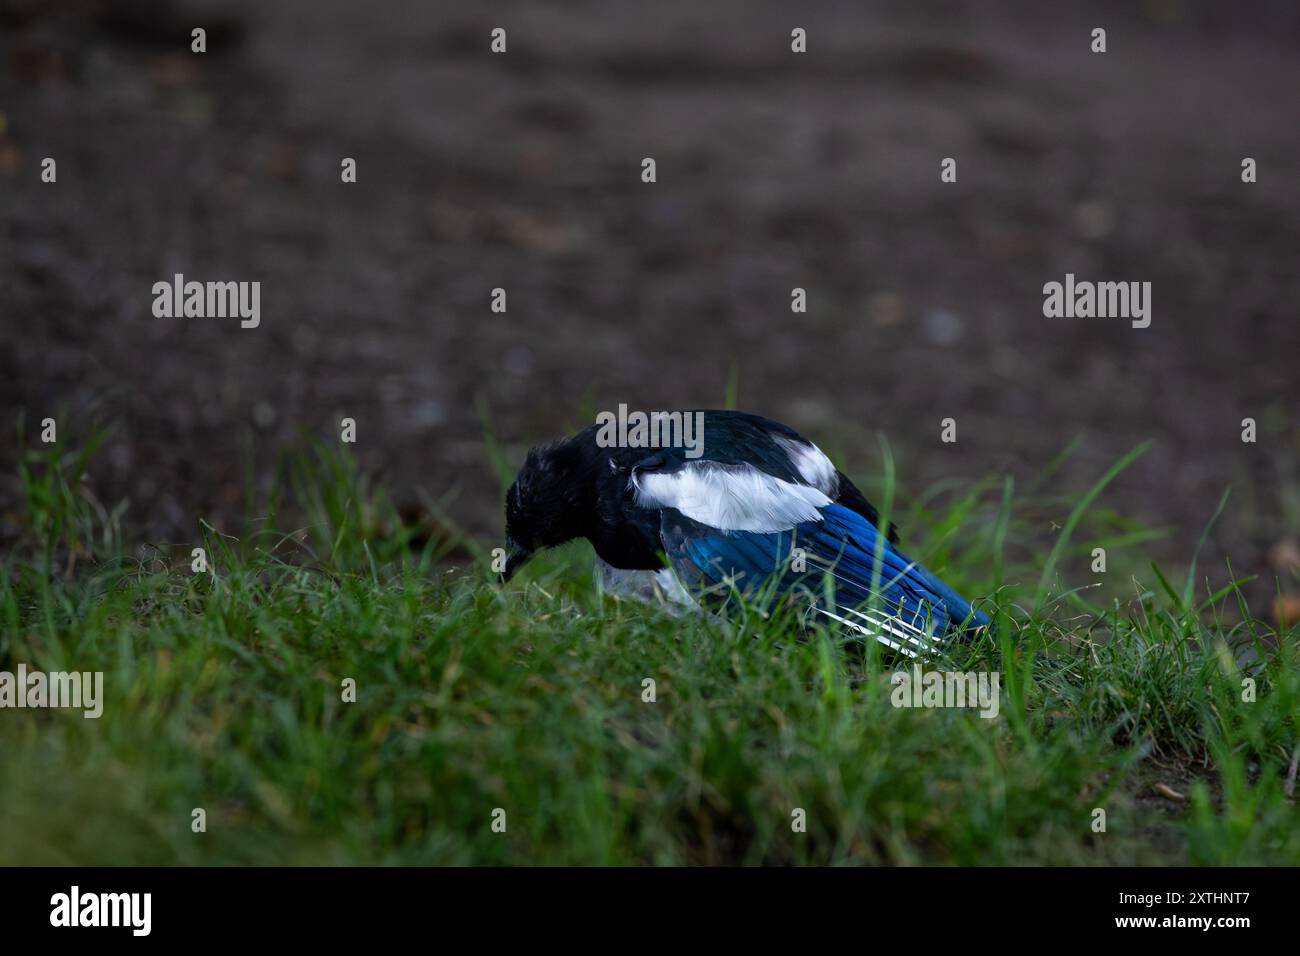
(901, 603)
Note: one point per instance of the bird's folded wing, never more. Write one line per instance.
(831, 559)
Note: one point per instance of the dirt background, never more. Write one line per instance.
(775, 170)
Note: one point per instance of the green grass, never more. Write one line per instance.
(223, 691)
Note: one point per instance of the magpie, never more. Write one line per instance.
(759, 511)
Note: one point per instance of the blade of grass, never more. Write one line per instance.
(1190, 587)
(1063, 539)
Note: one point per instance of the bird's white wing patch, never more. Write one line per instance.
(811, 463)
(730, 497)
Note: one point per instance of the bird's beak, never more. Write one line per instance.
(516, 555)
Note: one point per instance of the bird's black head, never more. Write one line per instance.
(551, 501)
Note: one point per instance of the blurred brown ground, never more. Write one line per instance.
(775, 170)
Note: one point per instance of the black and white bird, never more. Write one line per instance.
(761, 509)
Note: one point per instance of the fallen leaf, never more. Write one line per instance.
(1285, 555)
(1287, 609)
(11, 158)
(1169, 793)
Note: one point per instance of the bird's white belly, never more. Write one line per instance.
(654, 587)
